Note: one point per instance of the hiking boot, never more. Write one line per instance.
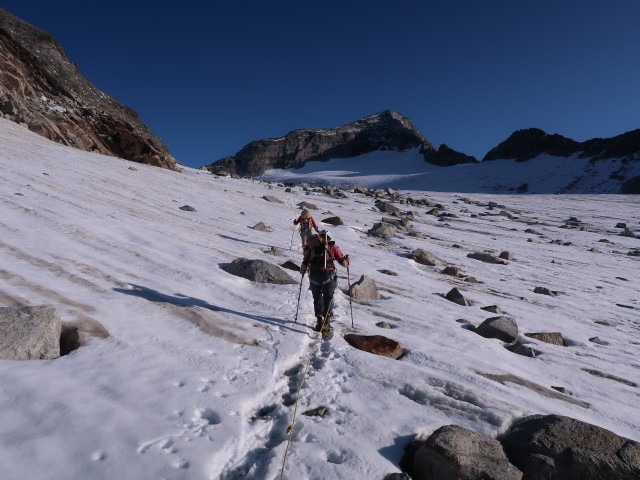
(319, 320)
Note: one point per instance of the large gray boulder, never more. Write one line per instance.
(258, 271)
(427, 258)
(365, 289)
(29, 333)
(383, 230)
(502, 327)
(554, 447)
(453, 452)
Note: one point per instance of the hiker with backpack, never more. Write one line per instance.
(306, 222)
(320, 255)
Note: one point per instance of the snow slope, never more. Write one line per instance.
(198, 376)
(408, 171)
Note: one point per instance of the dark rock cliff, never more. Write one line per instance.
(43, 89)
(386, 130)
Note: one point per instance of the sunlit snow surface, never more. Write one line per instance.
(196, 379)
(409, 171)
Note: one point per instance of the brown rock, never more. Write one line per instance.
(554, 338)
(376, 344)
(289, 265)
(333, 221)
(453, 271)
(41, 87)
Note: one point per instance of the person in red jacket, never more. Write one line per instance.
(320, 256)
(306, 222)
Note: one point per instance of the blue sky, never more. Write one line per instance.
(209, 77)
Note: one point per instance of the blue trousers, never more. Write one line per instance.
(322, 284)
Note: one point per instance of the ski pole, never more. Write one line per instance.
(299, 294)
(349, 283)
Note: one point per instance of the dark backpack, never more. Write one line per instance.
(319, 256)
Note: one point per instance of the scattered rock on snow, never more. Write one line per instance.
(554, 338)
(455, 296)
(486, 257)
(289, 265)
(388, 272)
(261, 227)
(383, 230)
(365, 289)
(307, 206)
(384, 325)
(188, 208)
(505, 255)
(451, 271)
(427, 258)
(454, 452)
(275, 251)
(29, 333)
(598, 341)
(562, 390)
(272, 199)
(544, 291)
(258, 271)
(333, 221)
(522, 349)
(559, 447)
(316, 412)
(493, 309)
(376, 344)
(628, 233)
(502, 327)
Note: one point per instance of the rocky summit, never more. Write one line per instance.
(42, 89)
(386, 130)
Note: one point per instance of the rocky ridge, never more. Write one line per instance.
(41, 88)
(386, 130)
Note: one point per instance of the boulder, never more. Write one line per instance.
(383, 230)
(272, 199)
(455, 296)
(505, 255)
(555, 447)
(452, 271)
(376, 344)
(258, 271)
(261, 227)
(360, 190)
(503, 328)
(335, 221)
(387, 207)
(289, 265)
(486, 257)
(454, 452)
(365, 289)
(307, 206)
(543, 291)
(29, 333)
(554, 338)
(427, 258)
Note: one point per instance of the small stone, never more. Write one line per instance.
(505, 255)
(493, 309)
(543, 291)
(383, 325)
(188, 208)
(316, 412)
(598, 341)
(554, 338)
(455, 296)
(562, 390)
(388, 272)
(452, 271)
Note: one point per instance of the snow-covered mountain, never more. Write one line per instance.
(198, 375)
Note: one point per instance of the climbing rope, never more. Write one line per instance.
(304, 374)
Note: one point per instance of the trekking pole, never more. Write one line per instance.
(349, 283)
(299, 294)
(293, 231)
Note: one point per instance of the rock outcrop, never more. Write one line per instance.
(43, 89)
(526, 144)
(382, 131)
(29, 333)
